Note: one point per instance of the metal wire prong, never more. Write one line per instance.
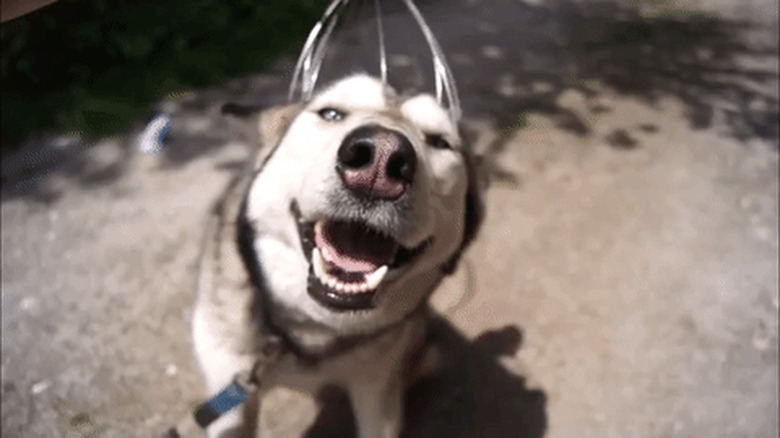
(302, 73)
(382, 53)
(443, 75)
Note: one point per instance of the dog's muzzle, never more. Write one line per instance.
(376, 163)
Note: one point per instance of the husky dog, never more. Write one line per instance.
(357, 204)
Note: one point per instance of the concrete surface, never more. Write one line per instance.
(625, 283)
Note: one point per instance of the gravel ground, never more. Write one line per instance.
(625, 283)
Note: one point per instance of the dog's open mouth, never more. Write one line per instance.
(349, 260)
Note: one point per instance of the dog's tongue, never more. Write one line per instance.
(352, 247)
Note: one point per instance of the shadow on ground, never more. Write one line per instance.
(472, 396)
(513, 59)
(510, 59)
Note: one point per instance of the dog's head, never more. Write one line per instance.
(362, 205)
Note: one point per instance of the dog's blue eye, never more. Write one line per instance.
(331, 114)
(437, 141)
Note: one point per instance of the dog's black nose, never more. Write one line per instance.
(376, 162)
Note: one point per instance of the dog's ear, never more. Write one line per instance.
(474, 210)
(243, 118)
(273, 123)
(262, 129)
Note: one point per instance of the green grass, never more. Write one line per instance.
(95, 66)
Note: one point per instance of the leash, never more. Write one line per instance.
(244, 384)
(247, 383)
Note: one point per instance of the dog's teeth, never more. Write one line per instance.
(373, 279)
(319, 259)
(317, 263)
(326, 255)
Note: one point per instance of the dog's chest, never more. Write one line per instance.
(343, 364)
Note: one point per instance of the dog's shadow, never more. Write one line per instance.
(473, 395)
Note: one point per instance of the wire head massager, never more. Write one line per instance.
(309, 64)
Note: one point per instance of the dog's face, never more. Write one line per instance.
(363, 201)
